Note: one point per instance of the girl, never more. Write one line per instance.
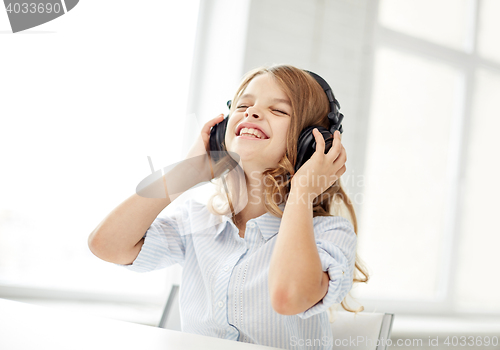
(268, 272)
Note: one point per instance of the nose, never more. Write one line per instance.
(252, 111)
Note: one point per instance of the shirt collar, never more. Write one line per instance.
(268, 223)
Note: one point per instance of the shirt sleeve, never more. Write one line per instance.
(164, 243)
(336, 242)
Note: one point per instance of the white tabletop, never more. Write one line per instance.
(26, 326)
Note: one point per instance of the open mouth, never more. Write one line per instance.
(252, 134)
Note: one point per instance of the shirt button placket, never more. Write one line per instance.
(220, 311)
(219, 300)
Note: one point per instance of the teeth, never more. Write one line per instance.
(252, 131)
(248, 134)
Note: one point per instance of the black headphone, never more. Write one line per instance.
(306, 144)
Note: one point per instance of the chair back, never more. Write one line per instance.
(171, 317)
(364, 331)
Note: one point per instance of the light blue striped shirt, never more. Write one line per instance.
(224, 289)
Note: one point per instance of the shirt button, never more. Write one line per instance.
(251, 224)
(220, 303)
(226, 268)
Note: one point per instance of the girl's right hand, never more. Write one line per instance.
(201, 145)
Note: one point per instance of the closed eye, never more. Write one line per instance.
(277, 110)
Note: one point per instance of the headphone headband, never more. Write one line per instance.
(334, 116)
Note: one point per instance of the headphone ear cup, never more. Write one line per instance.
(306, 145)
(217, 141)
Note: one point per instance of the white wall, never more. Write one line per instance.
(329, 38)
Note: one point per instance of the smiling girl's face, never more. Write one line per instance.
(265, 107)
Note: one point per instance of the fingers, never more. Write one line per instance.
(337, 147)
(212, 122)
(341, 171)
(336, 152)
(320, 141)
(204, 136)
(341, 158)
(345, 154)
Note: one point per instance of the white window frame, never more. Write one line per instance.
(467, 62)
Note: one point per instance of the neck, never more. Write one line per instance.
(255, 192)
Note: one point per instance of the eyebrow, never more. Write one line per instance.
(274, 99)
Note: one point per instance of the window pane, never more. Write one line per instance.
(442, 22)
(402, 216)
(478, 285)
(78, 119)
(489, 27)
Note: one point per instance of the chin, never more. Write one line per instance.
(247, 156)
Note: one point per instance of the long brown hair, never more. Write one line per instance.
(310, 106)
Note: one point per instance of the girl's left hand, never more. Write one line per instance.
(321, 170)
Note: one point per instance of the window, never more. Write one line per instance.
(427, 221)
(81, 109)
